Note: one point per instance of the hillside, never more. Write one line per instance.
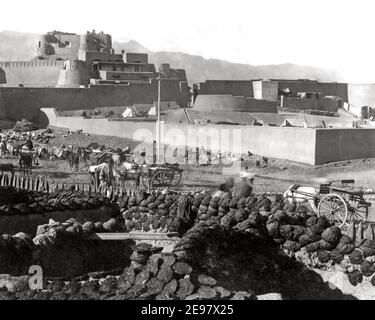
(22, 46)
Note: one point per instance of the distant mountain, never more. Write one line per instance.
(22, 46)
(130, 46)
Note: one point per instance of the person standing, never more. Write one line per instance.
(29, 143)
(197, 156)
(244, 187)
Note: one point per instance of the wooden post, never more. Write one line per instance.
(359, 232)
(37, 182)
(369, 233)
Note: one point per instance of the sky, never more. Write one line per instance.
(334, 34)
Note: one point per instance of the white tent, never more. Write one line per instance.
(128, 113)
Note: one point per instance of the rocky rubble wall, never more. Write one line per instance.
(230, 248)
(24, 210)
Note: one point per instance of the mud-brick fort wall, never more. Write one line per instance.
(324, 88)
(344, 144)
(32, 73)
(232, 87)
(26, 102)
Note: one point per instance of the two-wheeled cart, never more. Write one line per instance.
(340, 205)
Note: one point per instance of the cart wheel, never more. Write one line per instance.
(334, 208)
(358, 214)
(160, 179)
(176, 179)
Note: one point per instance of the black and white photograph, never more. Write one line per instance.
(201, 152)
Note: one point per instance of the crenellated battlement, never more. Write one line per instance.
(31, 64)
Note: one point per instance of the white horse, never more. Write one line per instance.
(299, 195)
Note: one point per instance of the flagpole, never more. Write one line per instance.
(158, 123)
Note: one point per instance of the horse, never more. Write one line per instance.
(103, 174)
(131, 171)
(298, 195)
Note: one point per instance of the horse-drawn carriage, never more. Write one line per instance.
(342, 205)
(150, 176)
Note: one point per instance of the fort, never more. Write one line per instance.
(83, 72)
(73, 76)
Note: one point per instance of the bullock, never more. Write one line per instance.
(7, 167)
(116, 157)
(41, 152)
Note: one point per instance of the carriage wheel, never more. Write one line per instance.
(176, 179)
(358, 214)
(160, 179)
(334, 208)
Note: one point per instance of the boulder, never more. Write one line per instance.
(312, 247)
(170, 287)
(185, 288)
(165, 273)
(355, 277)
(323, 256)
(326, 245)
(367, 268)
(206, 280)
(182, 268)
(286, 231)
(243, 295)
(292, 245)
(206, 293)
(332, 235)
(336, 256)
(222, 292)
(356, 257)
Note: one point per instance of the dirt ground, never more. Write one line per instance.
(277, 176)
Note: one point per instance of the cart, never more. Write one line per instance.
(341, 205)
(164, 175)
